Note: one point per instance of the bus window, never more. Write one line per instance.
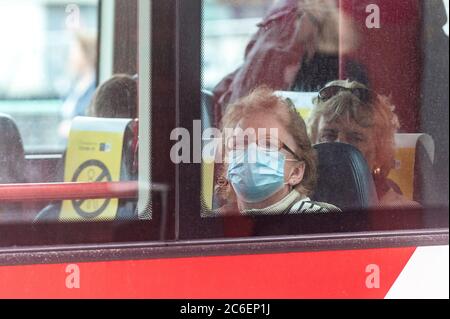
(271, 73)
(361, 75)
(48, 67)
(73, 151)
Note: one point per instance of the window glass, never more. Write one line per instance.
(48, 67)
(227, 27)
(339, 83)
(50, 101)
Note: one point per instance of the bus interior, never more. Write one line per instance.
(70, 178)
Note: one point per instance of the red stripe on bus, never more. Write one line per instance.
(334, 274)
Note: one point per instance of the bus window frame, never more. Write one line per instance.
(225, 247)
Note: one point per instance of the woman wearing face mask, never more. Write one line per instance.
(270, 163)
(348, 112)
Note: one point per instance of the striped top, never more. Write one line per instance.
(294, 204)
(306, 206)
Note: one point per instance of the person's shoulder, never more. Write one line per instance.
(328, 208)
(394, 199)
(227, 210)
(308, 206)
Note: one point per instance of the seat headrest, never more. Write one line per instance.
(344, 178)
(412, 141)
(12, 155)
(413, 171)
(207, 109)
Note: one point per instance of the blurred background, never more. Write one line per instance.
(45, 61)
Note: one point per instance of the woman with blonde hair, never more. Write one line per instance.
(270, 163)
(348, 112)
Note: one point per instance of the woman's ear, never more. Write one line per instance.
(297, 174)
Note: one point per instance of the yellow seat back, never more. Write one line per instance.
(94, 154)
(303, 101)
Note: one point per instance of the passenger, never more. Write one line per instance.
(82, 64)
(297, 48)
(348, 112)
(116, 98)
(270, 163)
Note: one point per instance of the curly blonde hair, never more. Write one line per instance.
(378, 115)
(263, 99)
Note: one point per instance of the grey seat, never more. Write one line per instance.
(12, 165)
(12, 155)
(344, 178)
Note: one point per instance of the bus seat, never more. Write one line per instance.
(208, 166)
(207, 98)
(12, 165)
(413, 171)
(99, 150)
(12, 155)
(344, 178)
